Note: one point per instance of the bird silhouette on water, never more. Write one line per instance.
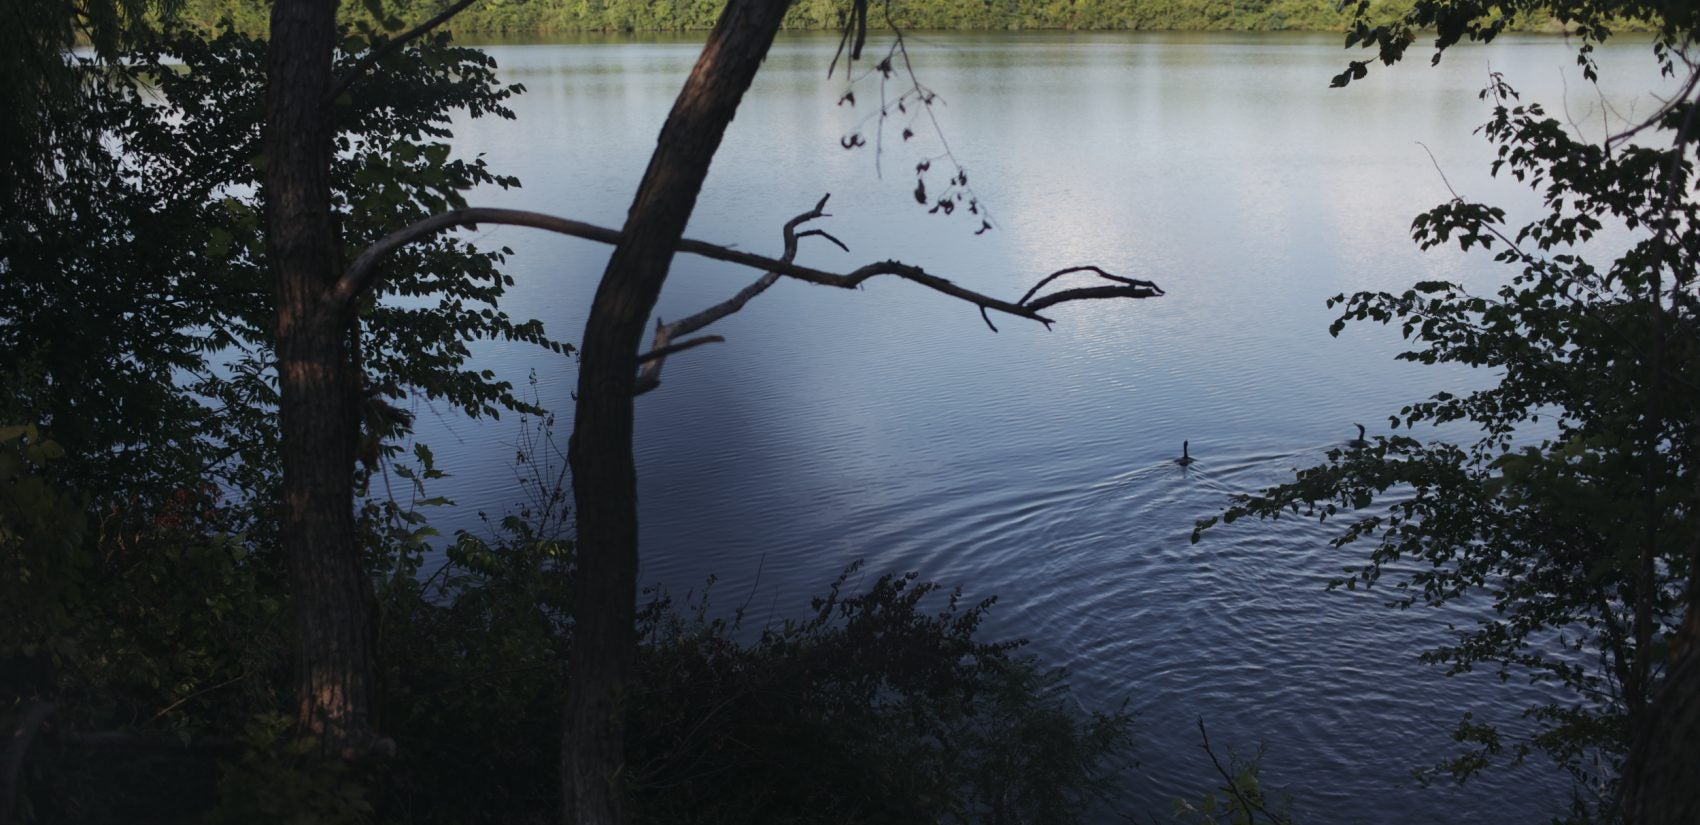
(1359, 441)
(1185, 458)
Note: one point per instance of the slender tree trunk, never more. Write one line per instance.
(330, 598)
(604, 473)
(1661, 777)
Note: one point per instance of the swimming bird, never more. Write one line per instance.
(1184, 459)
(1359, 441)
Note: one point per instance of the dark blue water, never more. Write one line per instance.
(888, 424)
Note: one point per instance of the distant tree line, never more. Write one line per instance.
(554, 16)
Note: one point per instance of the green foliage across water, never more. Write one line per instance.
(556, 16)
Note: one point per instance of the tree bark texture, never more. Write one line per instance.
(329, 596)
(1661, 777)
(604, 473)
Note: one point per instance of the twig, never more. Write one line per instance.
(382, 50)
(1664, 109)
(663, 352)
(1531, 261)
(202, 692)
(823, 234)
(922, 97)
(1249, 805)
(649, 376)
(1100, 272)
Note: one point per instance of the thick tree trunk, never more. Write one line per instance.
(329, 596)
(604, 474)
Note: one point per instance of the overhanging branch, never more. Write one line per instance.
(363, 273)
(380, 51)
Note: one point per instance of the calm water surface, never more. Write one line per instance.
(890, 425)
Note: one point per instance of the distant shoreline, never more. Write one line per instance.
(546, 18)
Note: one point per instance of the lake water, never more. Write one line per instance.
(890, 425)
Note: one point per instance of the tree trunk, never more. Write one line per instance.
(1661, 778)
(329, 596)
(604, 473)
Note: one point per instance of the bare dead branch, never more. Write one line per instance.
(824, 234)
(1658, 116)
(1094, 293)
(382, 50)
(1088, 268)
(649, 375)
(649, 372)
(714, 313)
(689, 343)
(364, 273)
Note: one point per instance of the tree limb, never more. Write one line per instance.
(1665, 108)
(662, 352)
(1088, 268)
(649, 375)
(382, 50)
(364, 273)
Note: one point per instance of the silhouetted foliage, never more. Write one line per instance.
(1569, 524)
(177, 389)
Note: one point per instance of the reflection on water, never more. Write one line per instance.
(888, 424)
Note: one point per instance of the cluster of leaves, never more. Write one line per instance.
(177, 389)
(135, 330)
(43, 530)
(1455, 21)
(35, 79)
(1569, 525)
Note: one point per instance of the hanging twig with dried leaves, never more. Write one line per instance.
(909, 106)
